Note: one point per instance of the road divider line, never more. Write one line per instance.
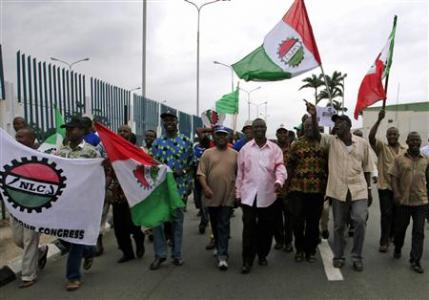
(333, 274)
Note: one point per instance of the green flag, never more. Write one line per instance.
(55, 140)
(228, 103)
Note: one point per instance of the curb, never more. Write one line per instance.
(12, 269)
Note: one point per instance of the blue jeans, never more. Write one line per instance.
(219, 219)
(74, 260)
(159, 241)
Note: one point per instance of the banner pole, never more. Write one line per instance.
(386, 82)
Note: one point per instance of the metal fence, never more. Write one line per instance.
(41, 87)
(110, 104)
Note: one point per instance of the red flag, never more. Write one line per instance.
(371, 89)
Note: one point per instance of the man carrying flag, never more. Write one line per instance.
(289, 50)
(371, 89)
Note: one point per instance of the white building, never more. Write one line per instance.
(406, 117)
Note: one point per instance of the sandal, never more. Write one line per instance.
(26, 283)
(73, 285)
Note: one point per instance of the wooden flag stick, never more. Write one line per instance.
(386, 82)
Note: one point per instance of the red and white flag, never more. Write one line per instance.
(371, 89)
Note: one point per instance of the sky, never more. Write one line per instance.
(349, 35)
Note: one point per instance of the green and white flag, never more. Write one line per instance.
(289, 49)
(228, 104)
(150, 187)
(54, 141)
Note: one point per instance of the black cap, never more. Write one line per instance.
(75, 122)
(168, 113)
(342, 117)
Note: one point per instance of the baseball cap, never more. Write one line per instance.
(248, 123)
(334, 118)
(168, 113)
(221, 129)
(75, 122)
(281, 127)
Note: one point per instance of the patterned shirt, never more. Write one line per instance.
(177, 153)
(308, 162)
(83, 150)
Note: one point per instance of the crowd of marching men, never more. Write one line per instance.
(285, 189)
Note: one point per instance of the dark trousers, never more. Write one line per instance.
(283, 223)
(387, 211)
(306, 211)
(219, 219)
(418, 214)
(124, 227)
(74, 259)
(199, 204)
(258, 227)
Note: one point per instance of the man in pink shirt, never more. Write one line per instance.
(261, 173)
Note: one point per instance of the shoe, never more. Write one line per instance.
(311, 258)
(338, 263)
(26, 283)
(397, 254)
(299, 256)
(358, 266)
(278, 246)
(288, 248)
(73, 285)
(383, 248)
(325, 234)
(156, 263)
(263, 262)
(177, 261)
(417, 267)
(245, 269)
(99, 248)
(201, 228)
(125, 259)
(43, 257)
(211, 245)
(222, 265)
(87, 263)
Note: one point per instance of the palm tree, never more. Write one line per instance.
(335, 84)
(315, 81)
(337, 105)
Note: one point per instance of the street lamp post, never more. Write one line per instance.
(248, 99)
(198, 8)
(232, 72)
(257, 109)
(70, 65)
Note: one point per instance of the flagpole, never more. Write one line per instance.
(386, 82)
(326, 83)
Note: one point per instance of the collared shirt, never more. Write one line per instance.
(413, 174)
(347, 166)
(259, 168)
(83, 150)
(385, 154)
(309, 161)
(177, 153)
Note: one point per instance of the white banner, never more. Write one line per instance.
(52, 195)
(324, 115)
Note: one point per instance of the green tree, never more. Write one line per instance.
(337, 105)
(336, 87)
(314, 82)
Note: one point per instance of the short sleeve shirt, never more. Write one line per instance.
(177, 153)
(219, 167)
(413, 174)
(385, 155)
(83, 150)
(309, 161)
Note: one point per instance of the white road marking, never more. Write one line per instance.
(333, 274)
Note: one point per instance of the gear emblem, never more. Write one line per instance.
(146, 176)
(291, 52)
(32, 184)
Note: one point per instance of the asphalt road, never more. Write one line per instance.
(382, 278)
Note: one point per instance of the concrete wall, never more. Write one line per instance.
(405, 121)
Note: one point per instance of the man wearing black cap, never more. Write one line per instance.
(76, 147)
(349, 185)
(176, 151)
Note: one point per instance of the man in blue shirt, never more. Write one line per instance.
(90, 136)
(248, 135)
(176, 151)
